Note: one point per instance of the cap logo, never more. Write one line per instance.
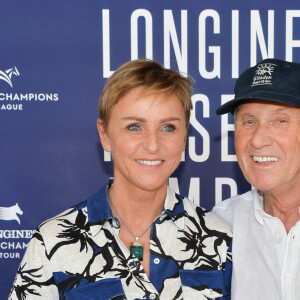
(263, 74)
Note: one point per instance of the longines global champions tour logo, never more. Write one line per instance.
(7, 75)
(13, 242)
(14, 101)
(11, 213)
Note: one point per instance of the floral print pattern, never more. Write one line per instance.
(78, 255)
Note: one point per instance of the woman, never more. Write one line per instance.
(135, 238)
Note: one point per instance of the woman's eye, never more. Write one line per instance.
(169, 128)
(133, 127)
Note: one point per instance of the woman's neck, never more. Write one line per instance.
(134, 204)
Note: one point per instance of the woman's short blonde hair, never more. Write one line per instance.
(152, 77)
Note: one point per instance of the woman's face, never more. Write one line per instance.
(146, 136)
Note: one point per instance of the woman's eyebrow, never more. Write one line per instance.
(134, 119)
(139, 119)
(170, 119)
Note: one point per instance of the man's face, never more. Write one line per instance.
(267, 143)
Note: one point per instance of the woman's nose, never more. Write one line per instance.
(151, 143)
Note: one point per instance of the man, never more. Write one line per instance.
(265, 220)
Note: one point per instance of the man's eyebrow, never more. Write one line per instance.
(243, 114)
(281, 109)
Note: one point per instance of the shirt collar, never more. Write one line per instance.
(174, 208)
(99, 210)
(259, 211)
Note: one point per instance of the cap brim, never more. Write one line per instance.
(231, 105)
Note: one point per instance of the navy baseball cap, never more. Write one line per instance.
(271, 80)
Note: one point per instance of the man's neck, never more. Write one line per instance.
(285, 209)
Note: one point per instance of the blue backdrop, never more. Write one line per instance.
(55, 57)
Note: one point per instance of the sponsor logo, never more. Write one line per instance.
(263, 69)
(13, 243)
(11, 213)
(7, 75)
(263, 74)
(15, 101)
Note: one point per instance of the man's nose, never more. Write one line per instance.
(262, 135)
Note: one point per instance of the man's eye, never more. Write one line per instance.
(133, 127)
(281, 121)
(169, 128)
(249, 122)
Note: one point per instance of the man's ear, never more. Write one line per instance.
(103, 135)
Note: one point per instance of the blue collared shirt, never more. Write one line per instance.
(79, 255)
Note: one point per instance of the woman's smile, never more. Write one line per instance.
(149, 162)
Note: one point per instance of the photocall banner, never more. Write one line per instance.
(55, 57)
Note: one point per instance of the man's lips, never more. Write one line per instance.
(264, 158)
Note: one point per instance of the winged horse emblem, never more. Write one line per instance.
(6, 76)
(10, 213)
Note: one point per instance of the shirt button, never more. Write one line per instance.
(288, 277)
(279, 241)
(156, 261)
(152, 296)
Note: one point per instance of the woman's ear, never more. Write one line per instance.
(103, 135)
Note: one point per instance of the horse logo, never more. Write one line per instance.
(6, 76)
(10, 213)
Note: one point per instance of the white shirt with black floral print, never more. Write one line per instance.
(78, 255)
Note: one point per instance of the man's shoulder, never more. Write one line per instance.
(233, 206)
(237, 201)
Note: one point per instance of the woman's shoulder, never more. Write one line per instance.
(206, 218)
(201, 219)
(71, 216)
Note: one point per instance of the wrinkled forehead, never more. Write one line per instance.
(264, 106)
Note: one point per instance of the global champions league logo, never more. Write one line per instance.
(14, 101)
(6, 76)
